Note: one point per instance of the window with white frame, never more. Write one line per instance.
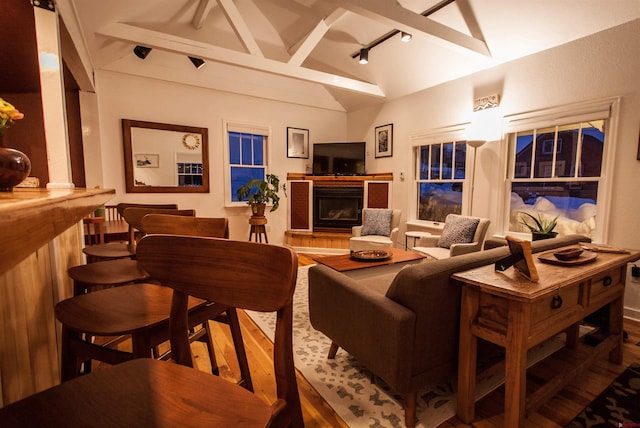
(557, 170)
(440, 176)
(246, 157)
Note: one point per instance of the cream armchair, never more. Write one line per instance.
(461, 235)
(377, 230)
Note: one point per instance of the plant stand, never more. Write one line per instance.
(258, 228)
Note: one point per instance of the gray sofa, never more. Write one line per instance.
(404, 326)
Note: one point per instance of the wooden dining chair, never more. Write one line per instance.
(93, 230)
(141, 312)
(119, 250)
(152, 393)
(120, 271)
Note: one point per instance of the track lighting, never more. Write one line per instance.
(197, 62)
(405, 37)
(141, 51)
(364, 56)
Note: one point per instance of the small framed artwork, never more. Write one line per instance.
(384, 141)
(521, 259)
(297, 143)
(147, 161)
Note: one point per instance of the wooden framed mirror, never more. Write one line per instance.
(164, 158)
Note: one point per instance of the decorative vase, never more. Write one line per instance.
(15, 166)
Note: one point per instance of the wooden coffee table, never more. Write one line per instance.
(358, 269)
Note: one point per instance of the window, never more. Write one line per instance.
(557, 171)
(440, 179)
(246, 157)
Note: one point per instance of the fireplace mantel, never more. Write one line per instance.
(383, 176)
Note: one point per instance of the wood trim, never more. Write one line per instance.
(29, 218)
(384, 176)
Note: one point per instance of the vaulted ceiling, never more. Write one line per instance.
(305, 51)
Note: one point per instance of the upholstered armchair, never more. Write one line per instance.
(460, 235)
(379, 229)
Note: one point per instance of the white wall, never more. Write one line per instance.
(601, 66)
(129, 97)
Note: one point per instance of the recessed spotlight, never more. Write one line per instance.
(141, 51)
(197, 62)
(405, 37)
(364, 56)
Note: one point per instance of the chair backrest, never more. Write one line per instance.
(395, 218)
(124, 205)
(133, 216)
(111, 213)
(94, 230)
(247, 275)
(212, 227)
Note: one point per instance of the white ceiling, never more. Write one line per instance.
(301, 50)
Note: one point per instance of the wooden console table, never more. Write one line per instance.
(510, 311)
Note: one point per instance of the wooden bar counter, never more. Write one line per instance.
(40, 237)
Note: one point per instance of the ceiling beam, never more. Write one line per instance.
(240, 27)
(306, 45)
(182, 46)
(201, 13)
(394, 15)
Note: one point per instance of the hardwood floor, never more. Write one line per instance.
(489, 411)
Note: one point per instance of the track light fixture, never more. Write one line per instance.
(197, 62)
(364, 56)
(405, 37)
(141, 51)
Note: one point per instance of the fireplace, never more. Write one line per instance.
(337, 208)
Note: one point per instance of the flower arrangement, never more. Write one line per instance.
(8, 115)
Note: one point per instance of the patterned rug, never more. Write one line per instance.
(357, 396)
(617, 406)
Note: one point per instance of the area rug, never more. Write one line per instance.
(356, 395)
(617, 406)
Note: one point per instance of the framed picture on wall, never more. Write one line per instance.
(297, 143)
(384, 141)
(147, 161)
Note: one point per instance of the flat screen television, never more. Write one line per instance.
(339, 158)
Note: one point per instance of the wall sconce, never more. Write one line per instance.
(198, 63)
(364, 56)
(405, 37)
(141, 51)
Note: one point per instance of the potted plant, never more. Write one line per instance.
(540, 228)
(261, 192)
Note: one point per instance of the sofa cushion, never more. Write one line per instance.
(458, 230)
(376, 222)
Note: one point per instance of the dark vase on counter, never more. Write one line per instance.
(15, 166)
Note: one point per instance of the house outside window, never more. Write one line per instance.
(558, 171)
(440, 176)
(246, 158)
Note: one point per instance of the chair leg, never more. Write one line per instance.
(208, 339)
(238, 343)
(410, 409)
(333, 350)
(70, 365)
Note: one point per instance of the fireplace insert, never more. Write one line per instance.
(337, 207)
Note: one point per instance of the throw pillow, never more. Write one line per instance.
(458, 230)
(376, 221)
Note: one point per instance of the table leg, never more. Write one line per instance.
(516, 364)
(616, 312)
(467, 355)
